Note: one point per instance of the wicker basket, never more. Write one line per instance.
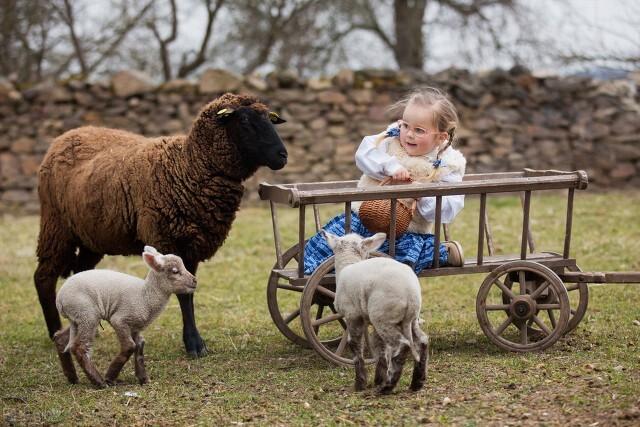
(376, 215)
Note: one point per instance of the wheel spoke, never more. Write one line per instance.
(318, 316)
(503, 326)
(291, 287)
(325, 291)
(329, 318)
(343, 344)
(548, 306)
(552, 318)
(524, 339)
(541, 288)
(292, 316)
(504, 288)
(523, 282)
(493, 307)
(542, 325)
(573, 287)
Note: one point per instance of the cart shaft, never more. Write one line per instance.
(601, 277)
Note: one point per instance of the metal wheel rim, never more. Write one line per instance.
(556, 284)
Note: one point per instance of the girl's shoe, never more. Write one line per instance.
(456, 255)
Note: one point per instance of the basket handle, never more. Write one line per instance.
(386, 180)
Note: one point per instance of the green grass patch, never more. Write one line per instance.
(256, 376)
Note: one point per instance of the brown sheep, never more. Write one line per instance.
(110, 192)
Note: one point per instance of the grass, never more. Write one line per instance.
(256, 376)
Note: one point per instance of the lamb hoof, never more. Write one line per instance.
(359, 387)
(110, 382)
(415, 387)
(384, 390)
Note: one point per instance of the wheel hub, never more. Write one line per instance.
(522, 307)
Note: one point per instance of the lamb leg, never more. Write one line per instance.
(138, 359)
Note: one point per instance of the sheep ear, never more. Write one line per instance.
(275, 118)
(374, 242)
(224, 114)
(154, 261)
(331, 239)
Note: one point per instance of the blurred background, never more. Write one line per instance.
(89, 39)
(545, 84)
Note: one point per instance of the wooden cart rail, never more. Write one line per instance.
(347, 191)
(303, 194)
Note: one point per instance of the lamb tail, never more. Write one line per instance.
(72, 337)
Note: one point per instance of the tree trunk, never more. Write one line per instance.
(409, 46)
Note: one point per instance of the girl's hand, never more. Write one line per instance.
(401, 175)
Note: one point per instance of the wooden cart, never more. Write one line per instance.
(549, 301)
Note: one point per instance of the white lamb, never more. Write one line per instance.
(128, 303)
(386, 294)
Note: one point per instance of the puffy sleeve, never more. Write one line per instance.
(451, 205)
(373, 159)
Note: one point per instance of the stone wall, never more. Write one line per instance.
(509, 120)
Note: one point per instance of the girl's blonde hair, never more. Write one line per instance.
(445, 116)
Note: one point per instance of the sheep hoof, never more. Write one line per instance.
(202, 352)
(143, 381)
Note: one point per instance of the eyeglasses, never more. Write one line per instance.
(417, 131)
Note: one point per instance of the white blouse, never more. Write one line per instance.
(374, 161)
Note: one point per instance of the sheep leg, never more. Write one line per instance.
(381, 362)
(87, 259)
(193, 343)
(420, 367)
(138, 359)
(54, 255)
(61, 339)
(127, 348)
(81, 349)
(356, 329)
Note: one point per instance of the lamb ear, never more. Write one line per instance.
(151, 250)
(154, 261)
(374, 242)
(331, 239)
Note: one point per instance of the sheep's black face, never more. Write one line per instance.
(256, 138)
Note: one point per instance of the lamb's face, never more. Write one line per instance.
(173, 277)
(254, 134)
(179, 279)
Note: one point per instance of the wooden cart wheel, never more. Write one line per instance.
(283, 300)
(577, 292)
(318, 326)
(578, 299)
(541, 300)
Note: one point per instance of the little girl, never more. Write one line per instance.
(418, 148)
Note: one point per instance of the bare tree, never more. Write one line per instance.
(299, 34)
(410, 27)
(91, 50)
(26, 39)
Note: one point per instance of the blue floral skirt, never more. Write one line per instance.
(413, 249)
